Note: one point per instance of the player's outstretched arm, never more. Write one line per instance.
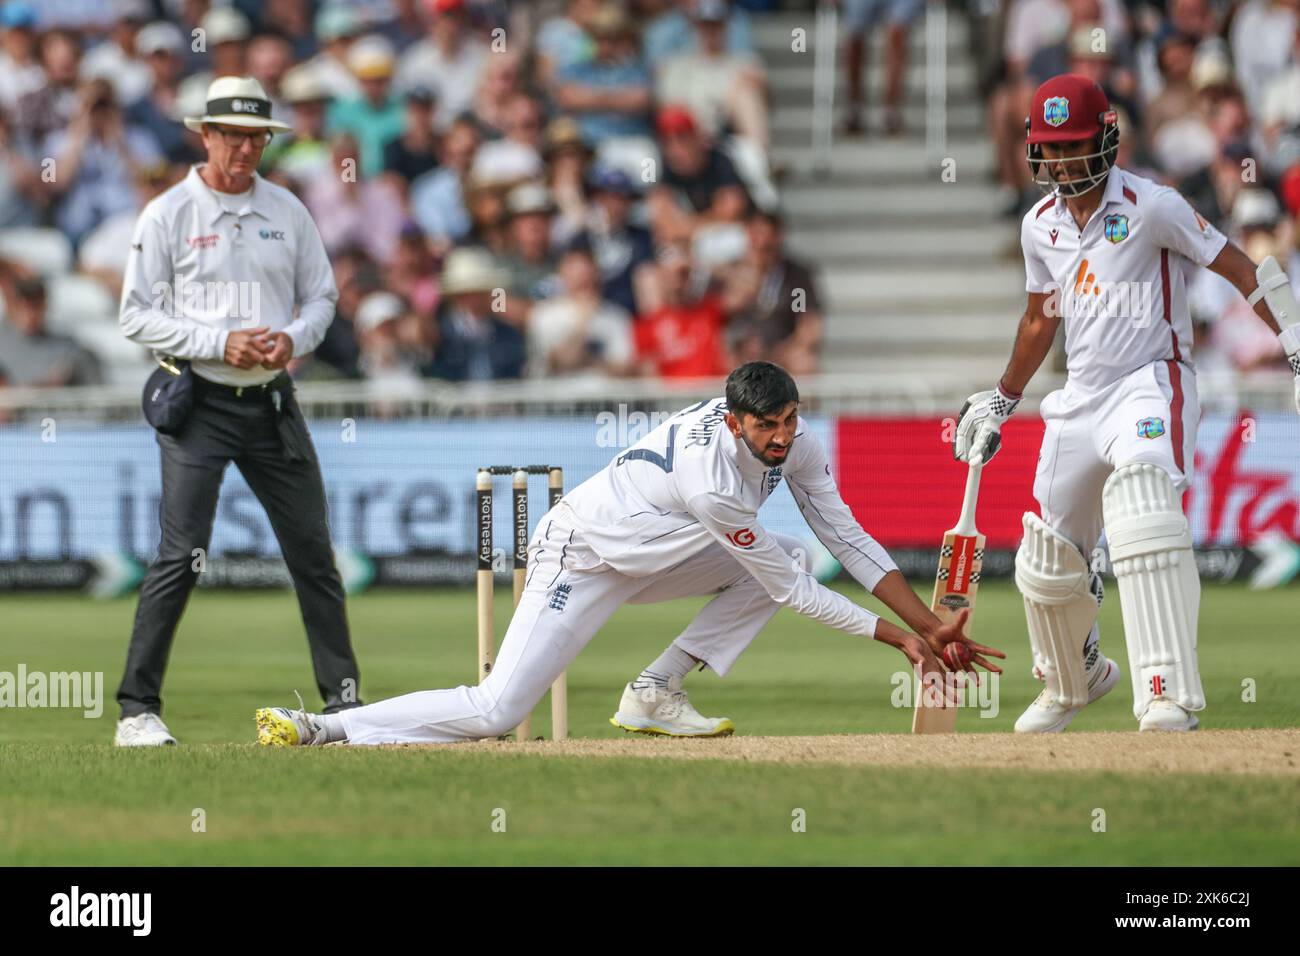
(979, 426)
(896, 594)
(1267, 288)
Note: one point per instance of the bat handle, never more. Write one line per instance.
(966, 523)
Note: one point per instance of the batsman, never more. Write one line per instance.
(675, 515)
(1109, 254)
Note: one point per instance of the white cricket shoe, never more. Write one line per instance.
(1162, 714)
(1046, 716)
(668, 712)
(143, 730)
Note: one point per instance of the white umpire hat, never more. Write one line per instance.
(236, 101)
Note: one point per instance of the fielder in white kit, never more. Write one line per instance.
(1111, 254)
(676, 515)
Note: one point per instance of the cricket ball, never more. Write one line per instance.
(956, 655)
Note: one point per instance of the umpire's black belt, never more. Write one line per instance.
(245, 393)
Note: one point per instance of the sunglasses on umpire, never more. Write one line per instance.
(233, 138)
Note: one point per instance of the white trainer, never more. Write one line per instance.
(668, 712)
(143, 730)
(1046, 716)
(1162, 714)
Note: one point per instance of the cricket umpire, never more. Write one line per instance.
(227, 281)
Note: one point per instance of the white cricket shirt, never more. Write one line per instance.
(689, 484)
(1120, 283)
(198, 271)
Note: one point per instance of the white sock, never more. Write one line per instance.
(333, 726)
(673, 662)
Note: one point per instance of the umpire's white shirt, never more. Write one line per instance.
(690, 484)
(204, 264)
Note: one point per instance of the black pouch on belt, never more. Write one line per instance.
(168, 396)
(294, 438)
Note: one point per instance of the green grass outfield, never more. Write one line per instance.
(68, 797)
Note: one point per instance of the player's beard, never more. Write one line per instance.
(762, 454)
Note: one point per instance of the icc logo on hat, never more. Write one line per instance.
(1056, 110)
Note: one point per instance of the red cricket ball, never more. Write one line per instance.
(956, 655)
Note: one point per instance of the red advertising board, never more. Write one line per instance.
(899, 477)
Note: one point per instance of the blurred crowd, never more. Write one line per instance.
(506, 189)
(1208, 95)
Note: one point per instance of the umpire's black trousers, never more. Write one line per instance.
(262, 430)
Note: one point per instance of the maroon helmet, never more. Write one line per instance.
(1068, 108)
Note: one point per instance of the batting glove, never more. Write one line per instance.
(979, 427)
(1291, 345)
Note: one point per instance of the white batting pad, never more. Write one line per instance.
(1060, 608)
(1159, 588)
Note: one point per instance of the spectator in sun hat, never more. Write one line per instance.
(379, 338)
(225, 32)
(450, 60)
(530, 258)
(337, 26)
(305, 150)
(376, 117)
(474, 343)
(611, 93)
(517, 155)
(568, 158)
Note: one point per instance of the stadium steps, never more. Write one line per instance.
(914, 270)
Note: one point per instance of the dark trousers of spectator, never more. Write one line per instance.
(266, 437)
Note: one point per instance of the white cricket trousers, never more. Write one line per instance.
(568, 596)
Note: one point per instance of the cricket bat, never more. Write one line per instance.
(955, 584)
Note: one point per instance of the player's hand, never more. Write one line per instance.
(279, 349)
(979, 427)
(951, 633)
(1295, 367)
(244, 348)
(921, 655)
